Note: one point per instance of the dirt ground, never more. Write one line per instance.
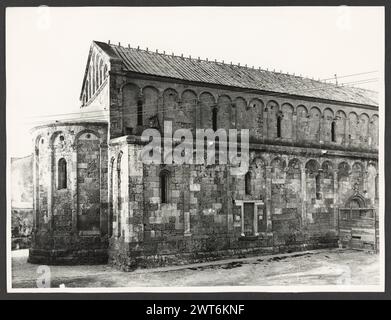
(323, 267)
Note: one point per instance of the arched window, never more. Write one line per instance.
(139, 113)
(279, 119)
(96, 77)
(214, 119)
(62, 174)
(317, 186)
(87, 90)
(105, 72)
(89, 85)
(101, 72)
(355, 204)
(333, 139)
(164, 177)
(247, 183)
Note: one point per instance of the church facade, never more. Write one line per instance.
(312, 180)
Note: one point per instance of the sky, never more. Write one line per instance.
(47, 48)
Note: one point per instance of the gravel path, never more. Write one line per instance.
(323, 267)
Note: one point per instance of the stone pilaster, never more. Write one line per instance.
(346, 132)
(50, 184)
(36, 189)
(103, 189)
(73, 179)
(294, 126)
(268, 200)
(336, 198)
(265, 124)
(160, 110)
(303, 195)
(133, 194)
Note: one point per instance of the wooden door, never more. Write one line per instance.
(249, 219)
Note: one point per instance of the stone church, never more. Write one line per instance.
(312, 180)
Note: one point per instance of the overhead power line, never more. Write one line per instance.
(350, 75)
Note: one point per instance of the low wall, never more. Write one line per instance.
(186, 250)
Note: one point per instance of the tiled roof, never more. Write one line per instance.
(158, 64)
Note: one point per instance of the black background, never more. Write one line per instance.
(138, 307)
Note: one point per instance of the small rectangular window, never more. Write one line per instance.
(164, 187)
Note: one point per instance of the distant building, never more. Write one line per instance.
(312, 180)
(21, 201)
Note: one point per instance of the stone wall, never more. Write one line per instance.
(296, 191)
(70, 193)
(137, 103)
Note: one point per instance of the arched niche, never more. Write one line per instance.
(314, 124)
(224, 106)
(189, 105)
(313, 180)
(340, 120)
(329, 129)
(302, 123)
(371, 182)
(130, 102)
(343, 171)
(61, 181)
(255, 117)
(207, 103)
(170, 104)
(357, 176)
(356, 201)
(287, 121)
(258, 177)
(312, 167)
(294, 169)
(241, 115)
(374, 131)
(364, 129)
(354, 129)
(277, 168)
(150, 106)
(88, 181)
(327, 170)
(272, 113)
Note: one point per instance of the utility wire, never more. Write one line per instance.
(350, 75)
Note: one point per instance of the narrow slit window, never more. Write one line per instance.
(164, 187)
(333, 138)
(139, 113)
(317, 186)
(214, 119)
(279, 127)
(62, 174)
(333, 131)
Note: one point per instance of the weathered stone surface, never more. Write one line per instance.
(309, 159)
(70, 214)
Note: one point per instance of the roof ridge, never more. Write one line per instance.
(215, 61)
(235, 74)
